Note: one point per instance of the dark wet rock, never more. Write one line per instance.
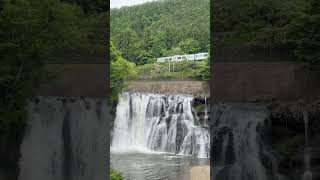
(288, 136)
(217, 141)
(287, 115)
(200, 105)
(10, 153)
(314, 116)
(224, 173)
(290, 116)
(217, 112)
(35, 99)
(198, 100)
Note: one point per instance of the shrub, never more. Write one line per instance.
(198, 70)
(115, 175)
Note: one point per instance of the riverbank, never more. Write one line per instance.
(139, 166)
(200, 173)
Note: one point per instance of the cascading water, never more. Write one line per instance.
(238, 150)
(163, 123)
(65, 139)
(307, 175)
(205, 112)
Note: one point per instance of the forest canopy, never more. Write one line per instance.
(292, 25)
(29, 32)
(161, 28)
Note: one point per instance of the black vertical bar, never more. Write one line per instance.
(212, 54)
(107, 38)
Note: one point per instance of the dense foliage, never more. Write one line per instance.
(256, 22)
(293, 25)
(193, 70)
(91, 6)
(121, 69)
(115, 175)
(29, 30)
(145, 32)
(307, 33)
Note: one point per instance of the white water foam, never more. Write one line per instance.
(155, 123)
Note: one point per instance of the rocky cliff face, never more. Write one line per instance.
(288, 136)
(202, 107)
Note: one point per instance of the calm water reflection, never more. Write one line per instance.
(135, 166)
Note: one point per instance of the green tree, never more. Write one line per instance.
(115, 175)
(157, 28)
(204, 72)
(174, 51)
(189, 46)
(30, 31)
(307, 34)
(91, 6)
(258, 23)
(121, 69)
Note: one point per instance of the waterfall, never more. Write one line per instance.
(159, 123)
(307, 175)
(238, 150)
(65, 139)
(205, 112)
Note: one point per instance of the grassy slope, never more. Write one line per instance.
(188, 70)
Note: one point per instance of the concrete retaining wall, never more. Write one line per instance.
(231, 82)
(173, 87)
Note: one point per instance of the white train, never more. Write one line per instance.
(187, 57)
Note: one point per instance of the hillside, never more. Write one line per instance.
(144, 32)
(275, 26)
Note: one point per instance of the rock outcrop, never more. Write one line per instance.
(288, 136)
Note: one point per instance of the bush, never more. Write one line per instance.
(196, 70)
(115, 175)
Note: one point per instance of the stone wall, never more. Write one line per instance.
(231, 82)
(174, 87)
(90, 80)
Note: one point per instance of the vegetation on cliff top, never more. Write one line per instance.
(192, 70)
(121, 70)
(145, 32)
(148, 31)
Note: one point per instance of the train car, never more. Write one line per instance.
(201, 56)
(186, 57)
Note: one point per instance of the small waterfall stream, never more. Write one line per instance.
(307, 175)
(205, 112)
(65, 139)
(161, 123)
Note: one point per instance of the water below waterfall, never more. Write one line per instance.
(138, 166)
(161, 123)
(158, 137)
(65, 139)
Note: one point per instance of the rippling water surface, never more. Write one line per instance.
(137, 166)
